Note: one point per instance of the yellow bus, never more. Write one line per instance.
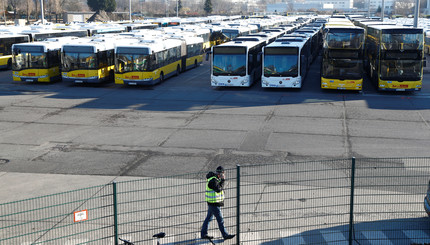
(38, 61)
(395, 57)
(147, 62)
(342, 58)
(90, 60)
(192, 49)
(6, 42)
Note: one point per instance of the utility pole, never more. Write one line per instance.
(382, 10)
(129, 9)
(417, 12)
(41, 11)
(368, 9)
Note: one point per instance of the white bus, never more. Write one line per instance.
(236, 63)
(285, 62)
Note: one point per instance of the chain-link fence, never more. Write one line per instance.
(313, 202)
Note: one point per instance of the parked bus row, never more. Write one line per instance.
(391, 55)
(280, 58)
(124, 59)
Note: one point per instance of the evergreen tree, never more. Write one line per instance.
(179, 5)
(105, 5)
(208, 7)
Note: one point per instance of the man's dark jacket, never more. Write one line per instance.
(217, 185)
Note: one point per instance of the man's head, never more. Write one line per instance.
(220, 170)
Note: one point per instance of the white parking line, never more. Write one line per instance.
(417, 236)
(376, 237)
(292, 237)
(334, 237)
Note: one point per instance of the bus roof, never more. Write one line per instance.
(44, 45)
(152, 45)
(396, 28)
(246, 44)
(99, 44)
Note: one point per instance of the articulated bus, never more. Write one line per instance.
(193, 56)
(285, 62)
(38, 61)
(236, 63)
(6, 42)
(147, 62)
(342, 61)
(90, 60)
(395, 55)
(191, 49)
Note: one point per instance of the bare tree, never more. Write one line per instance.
(29, 8)
(404, 7)
(15, 4)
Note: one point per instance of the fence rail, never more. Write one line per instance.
(284, 203)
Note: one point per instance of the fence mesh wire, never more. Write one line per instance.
(279, 201)
(174, 205)
(390, 193)
(285, 203)
(50, 219)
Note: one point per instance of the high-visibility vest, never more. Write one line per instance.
(211, 195)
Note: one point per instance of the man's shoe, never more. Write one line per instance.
(229, 237)
(207, 237)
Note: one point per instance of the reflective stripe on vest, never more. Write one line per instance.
(211, 195)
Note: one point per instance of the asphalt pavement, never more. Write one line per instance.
(60, 137)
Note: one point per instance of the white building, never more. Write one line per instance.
(375, 4)
(311, 4)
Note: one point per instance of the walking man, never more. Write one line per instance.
(215, 200)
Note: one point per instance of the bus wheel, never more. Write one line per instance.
(162, 77)
(9, 64)
(178, 70)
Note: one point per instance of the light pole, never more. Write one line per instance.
(177, 8)
(41, 12)
(417, 13)
(129, 8)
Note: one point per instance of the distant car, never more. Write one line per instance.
(427, 201)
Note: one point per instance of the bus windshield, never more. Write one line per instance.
(341, 39)
(132, 62)
(281, 62)
(25, 60)
(342, 69)
(76, 61)
(401, 70)
(229, 61)
(400, 41)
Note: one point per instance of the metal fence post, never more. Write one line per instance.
(115, 213)
(351, 202)
(238, 204)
